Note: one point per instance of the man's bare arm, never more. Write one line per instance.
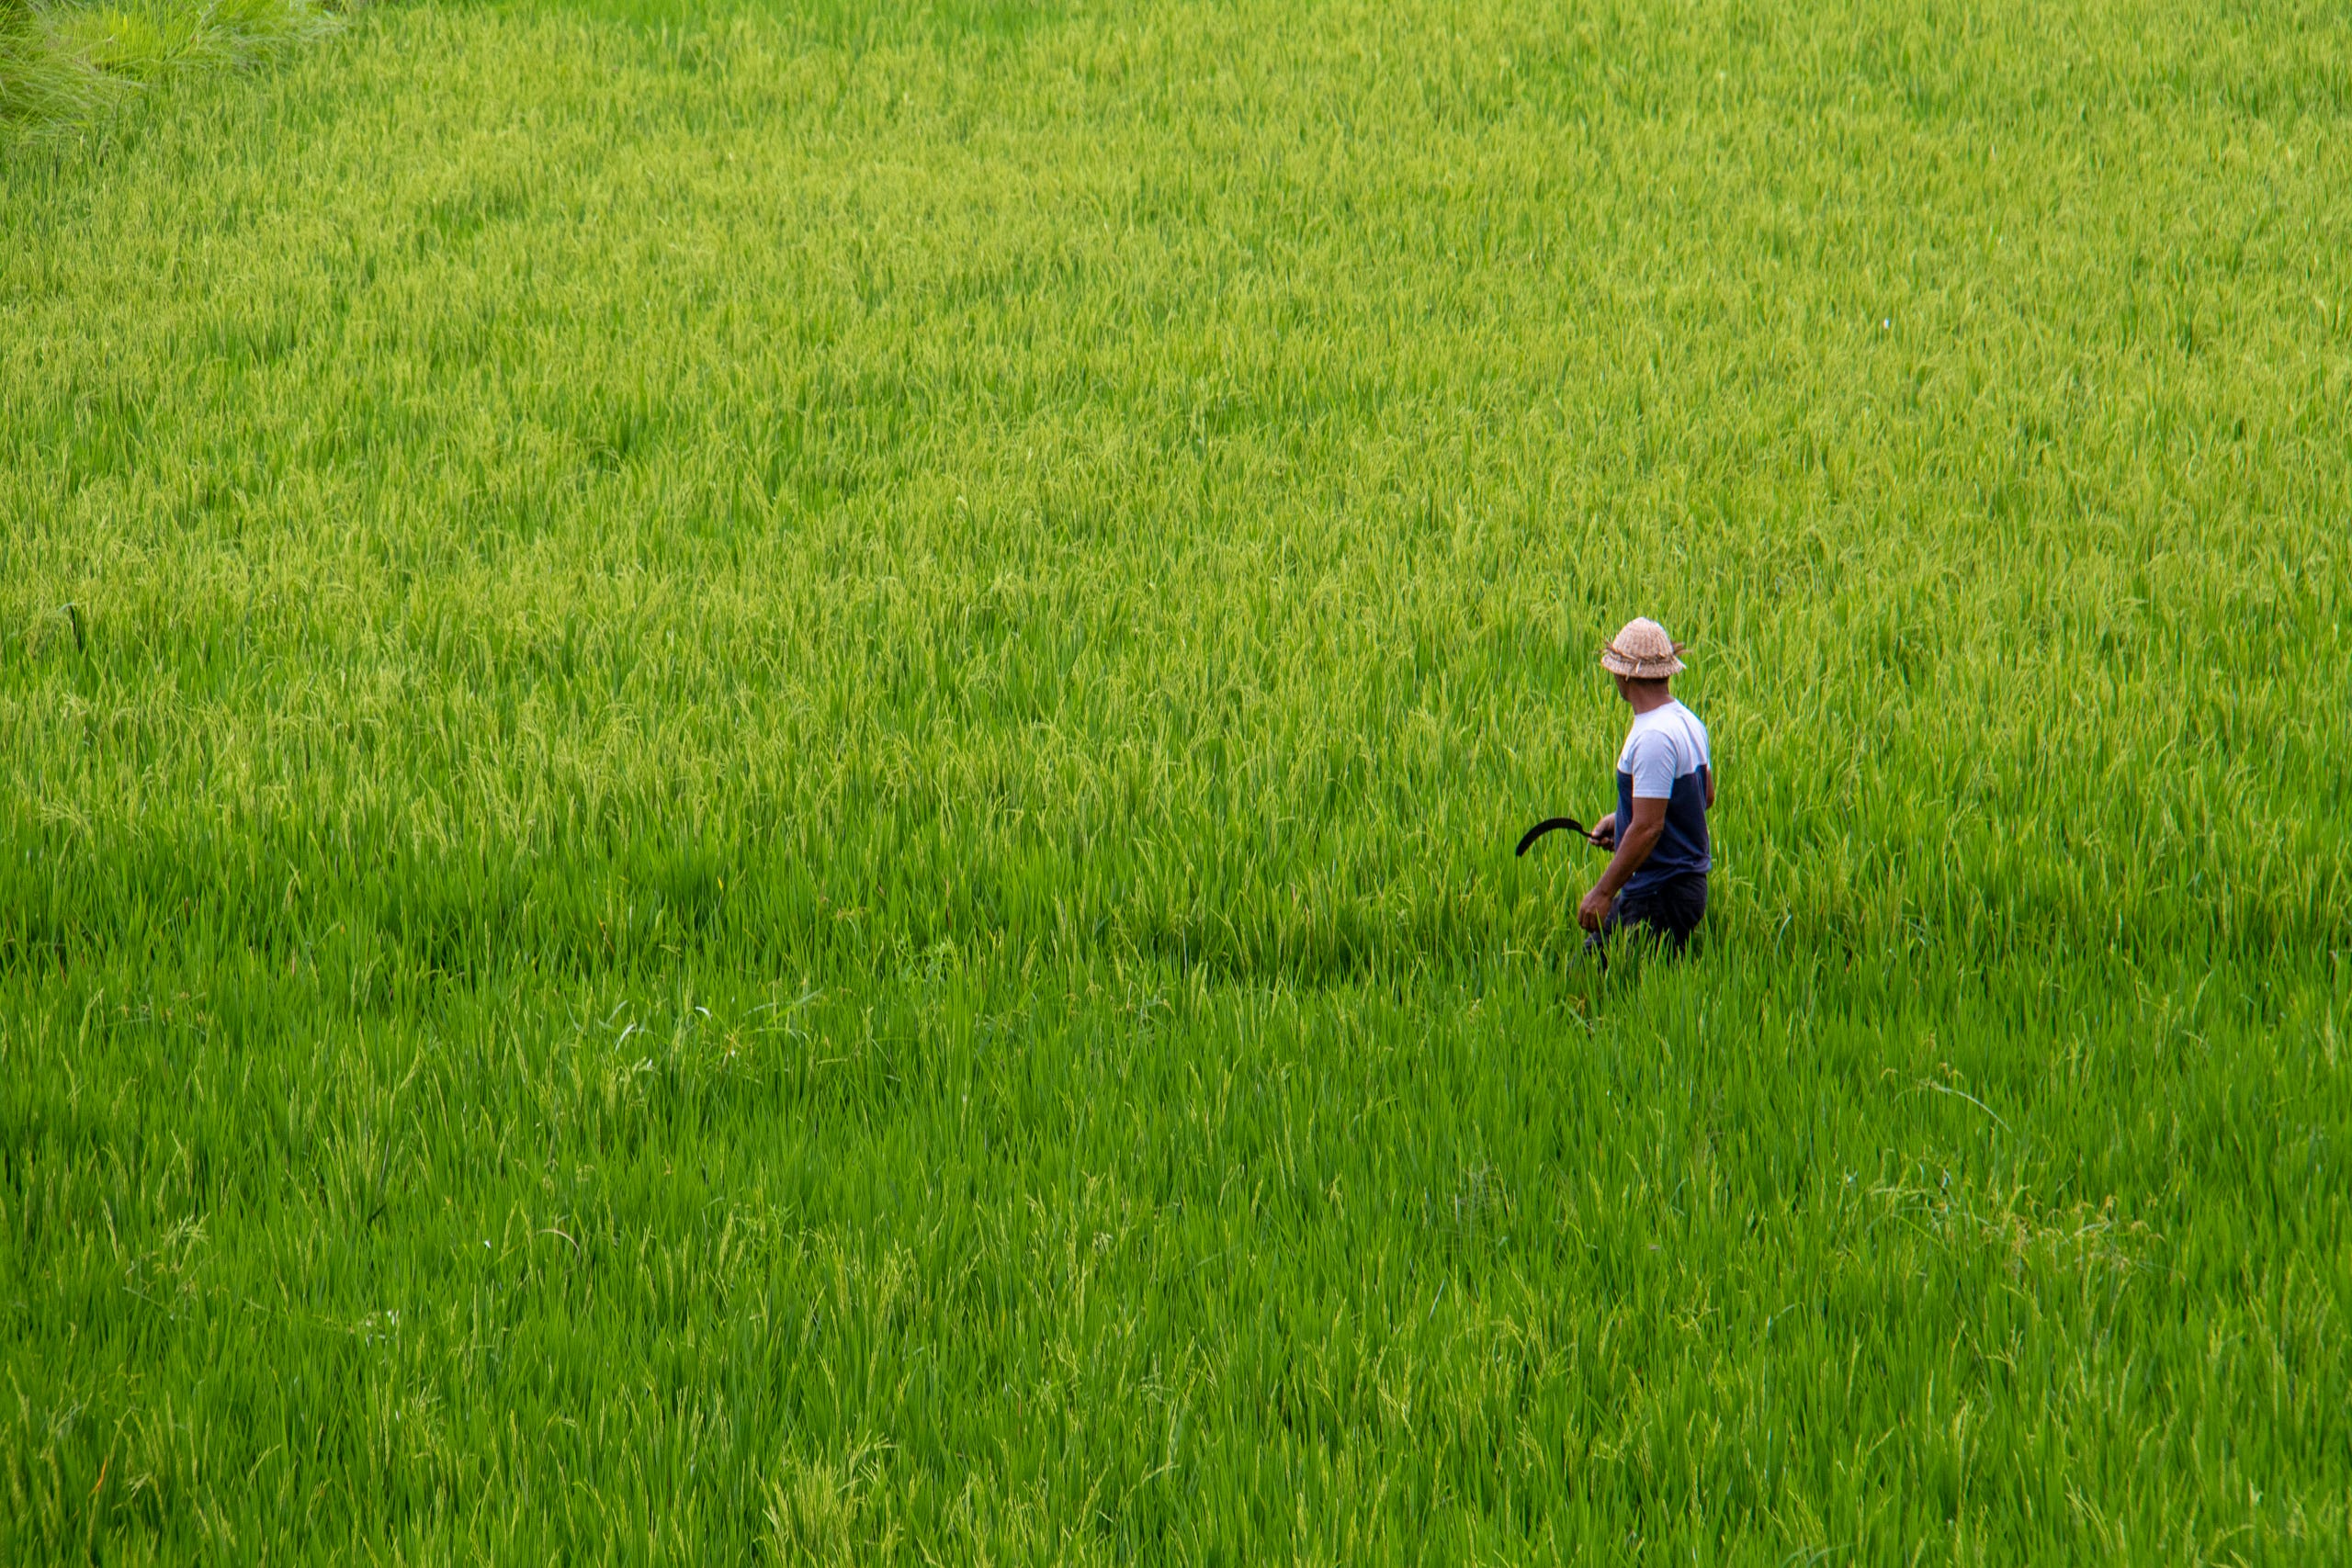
(1633, 848)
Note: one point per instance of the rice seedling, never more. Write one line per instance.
(758, 770)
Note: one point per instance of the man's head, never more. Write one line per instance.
(1644, 659)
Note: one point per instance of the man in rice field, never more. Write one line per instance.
(1657, 881)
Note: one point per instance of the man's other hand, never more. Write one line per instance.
(1604, 832)
(1595, 908)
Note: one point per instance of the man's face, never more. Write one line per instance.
(1624, 687)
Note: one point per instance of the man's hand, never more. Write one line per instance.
(1604, 832)
(1595, 908)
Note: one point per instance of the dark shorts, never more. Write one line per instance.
(1666, 914)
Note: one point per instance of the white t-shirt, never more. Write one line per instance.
(1666, 759)
(1664, 744)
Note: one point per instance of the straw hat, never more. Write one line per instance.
(1641, 651)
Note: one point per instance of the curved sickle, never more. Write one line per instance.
(1547, 825)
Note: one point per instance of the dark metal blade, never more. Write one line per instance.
(1547, 825)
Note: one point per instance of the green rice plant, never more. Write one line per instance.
(40, 80)
(61, 65)
(757, 770)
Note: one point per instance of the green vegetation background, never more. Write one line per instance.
(64, 63)
(756, 770)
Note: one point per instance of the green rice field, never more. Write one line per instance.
(757, 763)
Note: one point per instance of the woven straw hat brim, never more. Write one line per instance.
(1617, 663)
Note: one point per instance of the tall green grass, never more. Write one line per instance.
(759, 770)
(67, 64)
